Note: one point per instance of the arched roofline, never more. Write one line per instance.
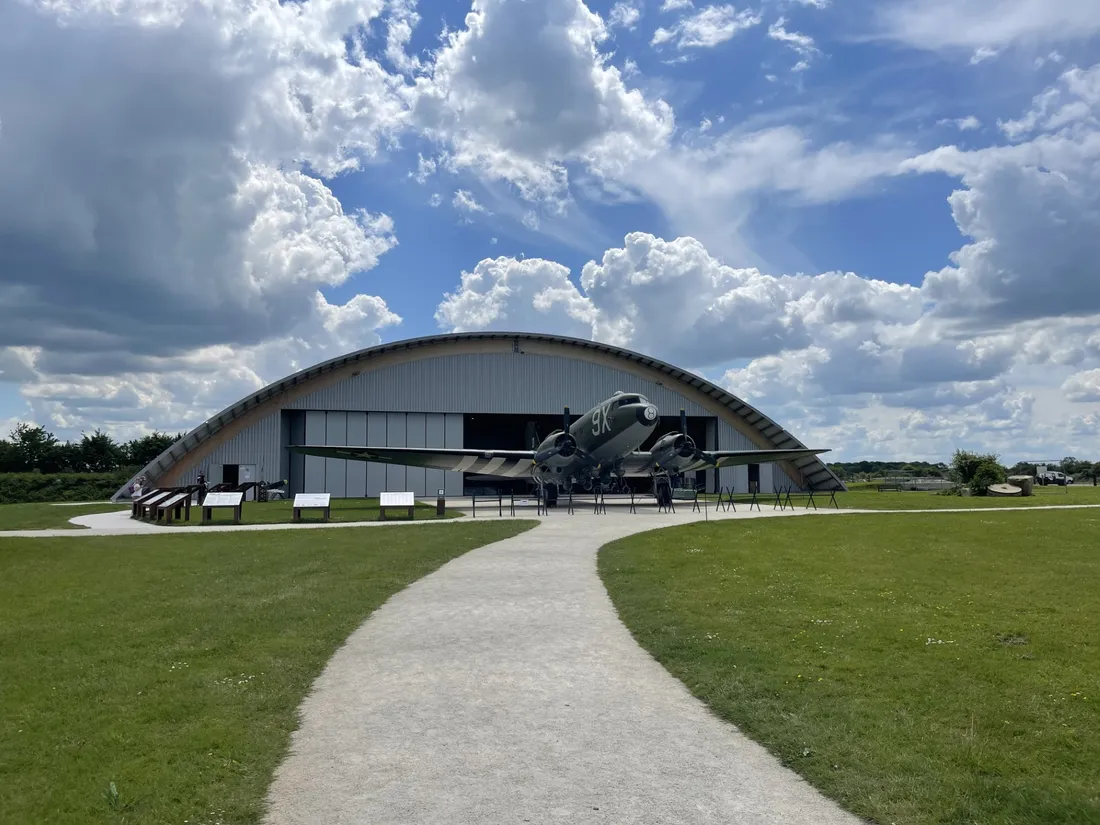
(814, 471)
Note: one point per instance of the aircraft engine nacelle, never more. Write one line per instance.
(556, 450)
(674, 451)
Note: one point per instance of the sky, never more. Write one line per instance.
(876, 220)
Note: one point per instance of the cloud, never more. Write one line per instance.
(676, 5)
(1083, 386)
(674, 298)
(963, 124)
(989, 24)
(157, 215)
(1032, 212)
(982, 54)
(801, 44)
(1073, 102)
(624, 15)
(463, 201)
(523, 90)
(504, 293)
(706, 28)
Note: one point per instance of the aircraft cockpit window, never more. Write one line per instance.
(629, 399)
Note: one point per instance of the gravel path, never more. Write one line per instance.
(504, 689)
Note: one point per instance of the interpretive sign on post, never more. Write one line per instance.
(222, 501)
(312, 501)
(396, 501)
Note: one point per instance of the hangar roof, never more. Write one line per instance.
(814, 471)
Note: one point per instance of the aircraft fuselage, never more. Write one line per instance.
(604, 435)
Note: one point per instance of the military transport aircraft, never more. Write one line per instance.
(600, 446)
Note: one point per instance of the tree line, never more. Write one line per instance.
(975, 470)
(30, 449)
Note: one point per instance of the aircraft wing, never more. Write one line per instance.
(507, 463)
(733, 458)
(642, 463)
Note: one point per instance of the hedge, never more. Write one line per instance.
(17, 488)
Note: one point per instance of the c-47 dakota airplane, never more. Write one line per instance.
(600, 446)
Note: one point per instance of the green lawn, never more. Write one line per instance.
(38, 516)
(869, 499)
(915, 500)
(939, 668)
(172, 665)
(343, 509)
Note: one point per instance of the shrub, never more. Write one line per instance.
(985, 475)
(17, 488)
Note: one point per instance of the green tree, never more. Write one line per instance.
(98, 453)
(141, 451)
(1069, 465)
(35, 449)
(986, 474)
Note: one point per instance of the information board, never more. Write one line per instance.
(312, 500)
(407, 499)
(223, 500)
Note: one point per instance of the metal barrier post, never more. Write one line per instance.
(754, 502)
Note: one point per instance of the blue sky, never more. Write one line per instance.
(264, 186)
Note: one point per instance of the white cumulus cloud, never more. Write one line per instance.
(707, 28)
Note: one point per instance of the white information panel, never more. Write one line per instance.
(222, 500)
(178, 498)
(397, 499)
(312, 499)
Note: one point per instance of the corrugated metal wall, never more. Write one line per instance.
(352, 479)
(499, 382)
(261, 444)
(421, 403)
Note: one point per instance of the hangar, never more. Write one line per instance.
(482, 389)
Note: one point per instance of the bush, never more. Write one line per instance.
(18, 488)
(985, 475)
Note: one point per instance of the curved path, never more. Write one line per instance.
(504, 689)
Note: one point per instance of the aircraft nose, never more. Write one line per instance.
(647, 414)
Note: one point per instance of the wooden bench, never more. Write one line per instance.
(891, 487)
(136, 508)
(312, 501)
(222, 501)
(147, 507)
(396, 501)
(178, 505)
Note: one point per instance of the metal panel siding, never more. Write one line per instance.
(433, 437)
(357, 470)
(415, 434)
(497, 382)
(336, 469)
(395, 437)
(315, 466)
(376, 437)
(260, 444)
(767, 483)
(453, 434)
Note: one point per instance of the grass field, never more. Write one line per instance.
(868, 499)
(923, 668)
(343, 509)
(172, 665)
(39, 516)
